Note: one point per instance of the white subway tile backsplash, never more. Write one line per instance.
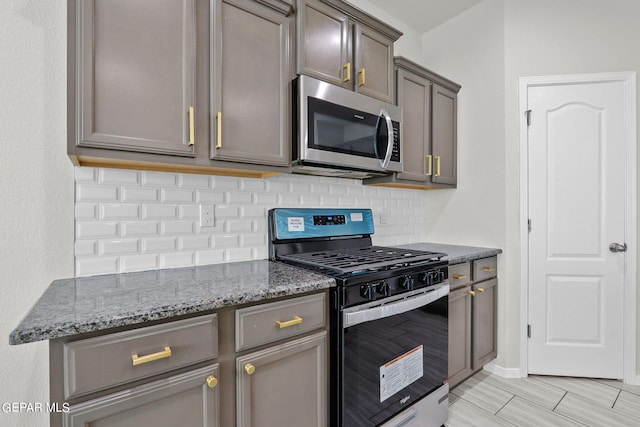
(118, 246)
(92, 230)
(159, 211)
(140, 228)
(112, 211)
(96, 193)
(139, 220)
(133, 194)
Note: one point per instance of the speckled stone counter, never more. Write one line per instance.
(88, 304)
(456, 254)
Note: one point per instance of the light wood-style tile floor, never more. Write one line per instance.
(489, 400)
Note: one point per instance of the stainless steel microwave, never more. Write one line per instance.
(344, 133)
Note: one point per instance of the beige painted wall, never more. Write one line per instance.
(36, 188)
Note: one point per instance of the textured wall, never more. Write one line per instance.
(133, 220)
(36, 188)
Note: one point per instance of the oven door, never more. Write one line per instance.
(395, 353)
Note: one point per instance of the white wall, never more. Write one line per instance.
(36, 188)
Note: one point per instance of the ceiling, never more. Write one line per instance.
(424, 15)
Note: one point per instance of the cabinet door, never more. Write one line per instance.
(485, 343)
(186, 400)
(459, 335)
(250, 83)
(414, 96)
(374, 64)
(284, 384)
(136, 72)
(324, 44)
(444, 141)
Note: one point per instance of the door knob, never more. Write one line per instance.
(617, 247)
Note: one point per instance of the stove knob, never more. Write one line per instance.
(367, 291)
(383, 288)
(407, 283)
(426, 278)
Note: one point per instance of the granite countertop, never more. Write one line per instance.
(456, 254)
(88, 304)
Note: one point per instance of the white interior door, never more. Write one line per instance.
(577, 142)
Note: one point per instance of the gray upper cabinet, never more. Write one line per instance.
(429, 129)
(251, 72)
(135, 82)
(342, 45)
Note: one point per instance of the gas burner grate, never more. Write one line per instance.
(345, 261)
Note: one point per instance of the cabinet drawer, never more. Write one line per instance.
(485, 268)
(459, 275)
(98, 363)
(266, 323)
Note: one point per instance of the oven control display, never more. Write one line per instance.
(329, 220)
(400, 372)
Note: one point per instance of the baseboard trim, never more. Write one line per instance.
(502, 371)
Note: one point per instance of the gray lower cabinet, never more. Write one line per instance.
(134, 75)
(251, 72)
(284, 384)
(472, 317)
(187, 400)
(342, 45)
(428, 131)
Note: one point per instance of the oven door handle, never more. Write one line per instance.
(396, 307)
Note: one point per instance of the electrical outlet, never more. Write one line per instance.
(207, 215)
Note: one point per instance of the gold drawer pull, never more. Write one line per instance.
(488, 269)
(212, 381)
(437, 165)
(481, 290)
(459, 276)
(192, 126)
(472, 293)
(219, 129)
(347, 72)
(249, 368)
(362, 77)
(139, 360)
(295, 321)
(429, 158)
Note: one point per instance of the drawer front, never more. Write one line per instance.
(98, 363)
(266, 323)
(459, 275)
(485, 268)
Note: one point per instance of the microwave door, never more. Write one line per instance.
(384, 139)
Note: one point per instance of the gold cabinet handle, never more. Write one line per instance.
(459, 276)
(347, 72)
(295, 321)
(472, 293)
(219, 128)
(481, 290)
(437, 165)
(192, 126)
(139, 360)
(429, 158)
(212, 381)
(488, 269)
(362, 74)
(249, 368)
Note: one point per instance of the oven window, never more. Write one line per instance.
(340, 129)
(392, 362)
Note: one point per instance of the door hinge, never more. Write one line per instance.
(528, 114)
(528, 331)
(529, 225)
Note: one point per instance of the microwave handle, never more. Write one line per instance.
(387, 158)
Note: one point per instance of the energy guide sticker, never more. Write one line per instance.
(295, 223)
(400, 372)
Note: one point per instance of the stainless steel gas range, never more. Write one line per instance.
(389, 317)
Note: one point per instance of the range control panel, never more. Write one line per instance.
(301, 223)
